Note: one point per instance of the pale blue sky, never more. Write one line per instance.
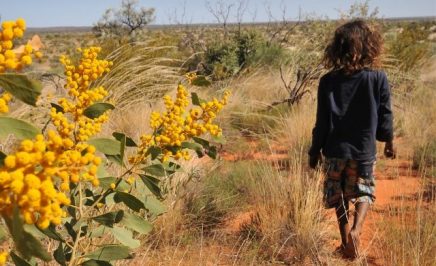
(44, 13)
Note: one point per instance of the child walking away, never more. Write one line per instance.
(353, 111)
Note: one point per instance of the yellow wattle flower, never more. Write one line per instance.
(177, 124)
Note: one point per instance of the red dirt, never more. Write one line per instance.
(396, 185)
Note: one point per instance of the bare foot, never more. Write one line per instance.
(352, 249)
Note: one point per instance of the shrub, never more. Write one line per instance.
(244, 50)
(57, 187)
(410, 46)
(221, 60)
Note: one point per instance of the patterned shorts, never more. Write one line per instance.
(348, 180)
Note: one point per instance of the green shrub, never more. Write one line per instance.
(221, 60)
(245, 49)
(269, 55)
(410, 46)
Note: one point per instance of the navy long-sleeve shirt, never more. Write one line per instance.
(353, 112)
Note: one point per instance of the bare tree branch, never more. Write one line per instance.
(124, 21)
(221, 11)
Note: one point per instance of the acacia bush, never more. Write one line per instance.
(79, 194)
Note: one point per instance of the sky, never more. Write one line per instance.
(49, 13)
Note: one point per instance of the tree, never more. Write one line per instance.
(360, 10)
(125, 21)
(221, 11)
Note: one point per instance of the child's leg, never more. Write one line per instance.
(360, 189)
(361, 209)
(334, 196)
(344, 226)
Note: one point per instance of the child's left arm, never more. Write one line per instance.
(385, 132)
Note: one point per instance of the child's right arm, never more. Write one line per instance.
(319, 133)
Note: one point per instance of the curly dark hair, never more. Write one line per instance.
(355, 45)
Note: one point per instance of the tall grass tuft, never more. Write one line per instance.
(409, 234)
(140, 74)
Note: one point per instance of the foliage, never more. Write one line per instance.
(246, 48)
(360, 10)
(55, 186)
(410, 47)
(221, 60)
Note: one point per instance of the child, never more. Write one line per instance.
(354, 111)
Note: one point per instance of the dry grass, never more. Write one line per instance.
(251, 212)
(140, 74)
(409, 233)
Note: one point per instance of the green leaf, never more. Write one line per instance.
(152, 183)
(193, 146)
(19, 261)
(154, 151)
(212, 152)
(98, 231)
(59, 255)
(131, 201)
(154, 206)
(97, 109)
(21, 87)
(219, 140)
(201, 81)
(101, 171)
(33, 230)
(125, 237)
(109, 252)
(171, 168)
(26, 244)
(2, 158)
(96, 263)
(110, 218)
(106, 182)
(129, 141)
(137, 223)
(51, 233)
(155, 169)
(195, 99)
(106, 146)
(19, 128)
(59, 109)
(201, 141)
(122, 149)
(2, 233)
(115, 159)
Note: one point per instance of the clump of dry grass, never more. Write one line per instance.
(140, 74)
(409, 234)
(290, 211)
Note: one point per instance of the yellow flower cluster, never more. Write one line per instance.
(4, 100)
(79, 78)
(177, 125)
(34, 177)
(191, 76)
(11, 59)
(3, 258)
